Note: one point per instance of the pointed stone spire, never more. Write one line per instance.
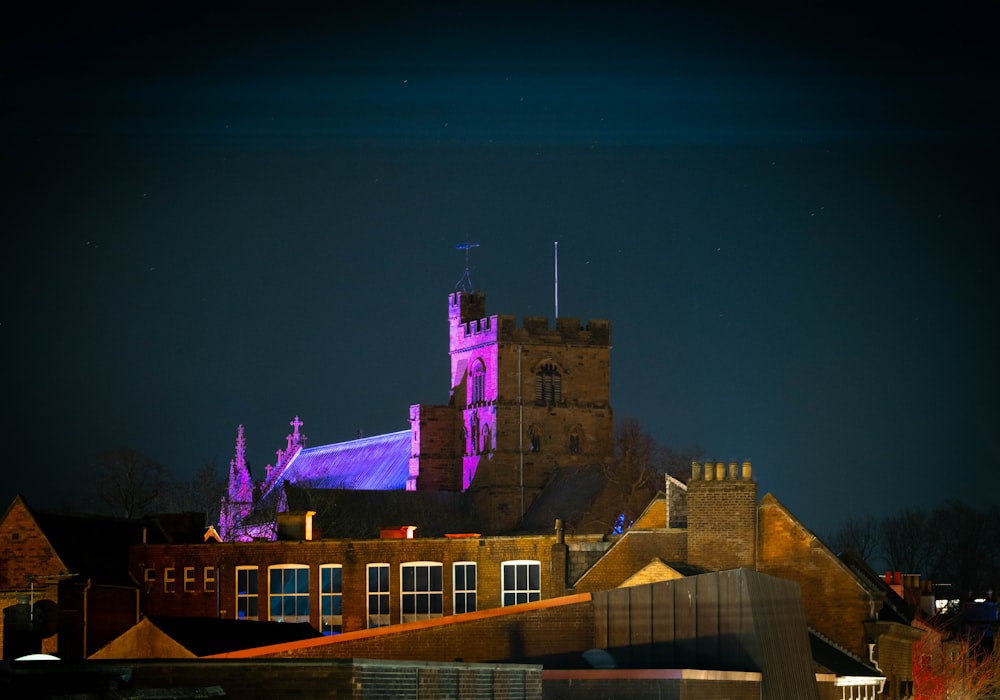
(239, 498)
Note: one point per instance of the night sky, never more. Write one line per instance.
(249, 212)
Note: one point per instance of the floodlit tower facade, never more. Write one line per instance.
(524, 400)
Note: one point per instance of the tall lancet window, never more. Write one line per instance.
(548, 385)
(477, 384)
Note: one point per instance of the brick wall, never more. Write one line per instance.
(488, 553)
(722, 520)
(24, 552)
(836, 605)
(436, 432)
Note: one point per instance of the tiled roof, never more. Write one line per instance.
(380, 463)
(568, 495)
(895, 609)
(838, 660)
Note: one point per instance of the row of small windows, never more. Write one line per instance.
(188, 582)
(421, 591)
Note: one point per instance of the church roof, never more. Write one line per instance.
(569, 495)
(345, 514)
(380, 463)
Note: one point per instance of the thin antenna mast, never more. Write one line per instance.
(557, 278)
(464, 283)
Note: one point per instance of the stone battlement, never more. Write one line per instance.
(535, 330)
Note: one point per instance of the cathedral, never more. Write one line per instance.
(528, 411)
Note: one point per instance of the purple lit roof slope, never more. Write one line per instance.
(379, 463)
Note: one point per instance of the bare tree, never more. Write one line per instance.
(860, 534)
(964, 546)
(907, 540)
(637, 472)
(947, 667)
(202, 493)
(126, 483)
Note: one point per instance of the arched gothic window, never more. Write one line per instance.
(477, 384)
(548, 385)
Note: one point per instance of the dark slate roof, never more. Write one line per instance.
(95, 547)
(204, 636)
(568, 495)
(838, 660)
(895, 608)
(381, 462)
(342, 513)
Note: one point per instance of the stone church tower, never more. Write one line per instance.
(524, 401)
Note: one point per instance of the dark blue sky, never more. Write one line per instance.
(240, 214)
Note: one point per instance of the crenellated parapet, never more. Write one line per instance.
(535, 330)
(469, 330)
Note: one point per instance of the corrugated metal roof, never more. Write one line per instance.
(379, 463)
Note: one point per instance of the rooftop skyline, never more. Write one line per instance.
(242, 214)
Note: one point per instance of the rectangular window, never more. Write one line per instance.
(420, 591)
(464, 577)
(331, 594)
(169, 581)
(209, 579)
(521, 582)
(288, 593)
(189, 579)
(378, 595)
(246, 592)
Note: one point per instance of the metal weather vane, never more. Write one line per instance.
(464, 283)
